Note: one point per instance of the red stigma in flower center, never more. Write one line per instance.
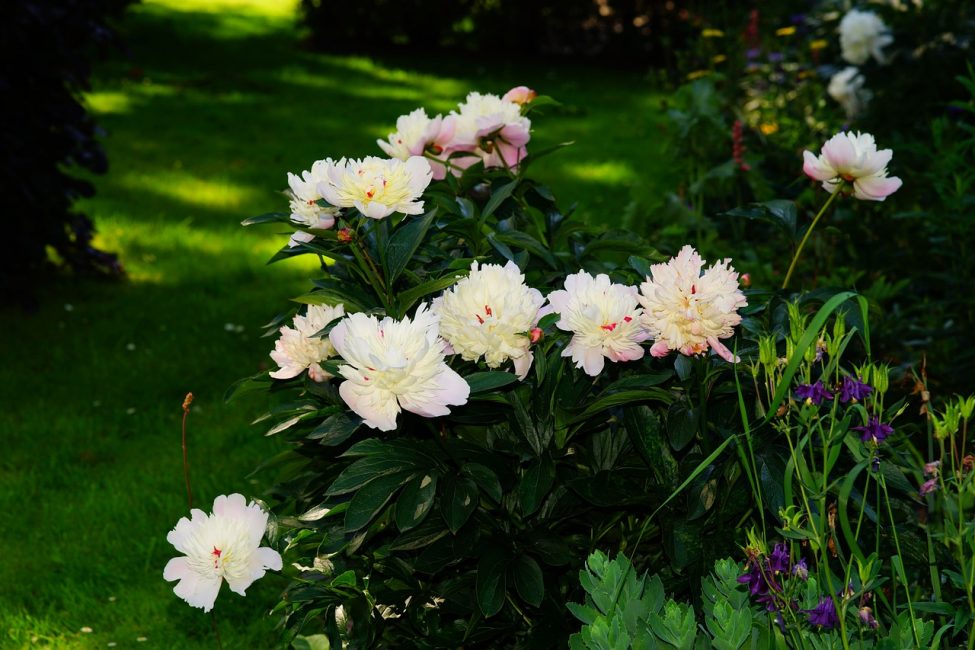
(693, 289)
(627, 319)
(487, 310)
(609, 328)
(216, 556)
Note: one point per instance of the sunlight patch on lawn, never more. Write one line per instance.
(108, 101)
(217, 193)
(612, 173)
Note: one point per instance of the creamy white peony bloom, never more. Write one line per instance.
(689, 311)
(493, 129)
(298, 349)
(604, 318)
(393, 365)
(377, 187)
(303, 197)
(416, 133)
(489, 314)
(863, 34)
(223, 546)
(853, 158)
(846, 87)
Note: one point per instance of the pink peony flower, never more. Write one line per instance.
(849, 158)
(688, 310)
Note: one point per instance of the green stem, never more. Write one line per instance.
(897, 545)
(822, 211)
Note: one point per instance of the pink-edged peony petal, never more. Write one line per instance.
(659, 349)
(815, 168)
(875, 188)
(722, 351)
(840, 153)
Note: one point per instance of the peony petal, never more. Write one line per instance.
(377, 407)
(722, 351)
(198, 591)
(269, 558)
(523, 364)
(816, 168)
(659, 349)
(592, 361)
(875, 188)
(177, 569)
(840, 153)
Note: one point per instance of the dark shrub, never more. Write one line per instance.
(46, 48)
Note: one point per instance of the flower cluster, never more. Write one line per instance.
(484, 128)
(491, 314)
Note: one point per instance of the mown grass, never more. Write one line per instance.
(215, 103)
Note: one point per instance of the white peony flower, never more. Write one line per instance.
(846, 87)
(223, 546)
(689, 311)
(298, 348)
(377, 187)
(489, 313)
(493, 128)
(604, 319)
(393, 365)
(304, 196)
(416, 133)
(863, 34)
(853, 158)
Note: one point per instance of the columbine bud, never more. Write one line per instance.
(879, 377)
(931, 469)
(766, 352)
(746, 280)
(966, 406)
(797, 322)
(536, 334)
(839, 329)
(344, 235)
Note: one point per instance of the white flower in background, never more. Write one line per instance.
(394, 365)
(223, 546)
(853, 158)
(863, 34)
(416, 133)
(846, 87)
(604, 318)
(492, 128)
(304, 196)
(687, 310)
(377, 187)
(298, 349)
(489, 314)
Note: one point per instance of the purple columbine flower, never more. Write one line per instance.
(866, 618)
(929, 486)
(814, 393)
(854, 390)
(931, 469)
(800, 569)
(874, 430)
(753, 53)
(778, 561)
(823, 614)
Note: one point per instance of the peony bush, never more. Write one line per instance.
(479, 392)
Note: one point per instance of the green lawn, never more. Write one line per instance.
(216, 104)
